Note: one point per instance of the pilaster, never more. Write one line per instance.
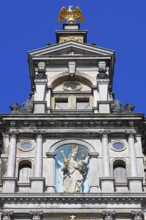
(94, 177)
(51, 165)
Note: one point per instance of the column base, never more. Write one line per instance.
(95, 110)
(94, 189)
(51, 189)
(135, 184)
(9, 184)
(107, 184)
(37, 184)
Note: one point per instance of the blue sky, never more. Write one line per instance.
(119, 25)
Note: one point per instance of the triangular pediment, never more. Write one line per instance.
(71, 48)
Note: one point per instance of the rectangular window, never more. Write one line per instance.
(61, 104)
(82, 103)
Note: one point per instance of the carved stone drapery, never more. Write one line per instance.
(137, 215)
(36, 215)
(7, 215)
(108, 215)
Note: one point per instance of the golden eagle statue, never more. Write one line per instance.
(70, 15)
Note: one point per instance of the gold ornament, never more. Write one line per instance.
(70, 15)
(75, 148)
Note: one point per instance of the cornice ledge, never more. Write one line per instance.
(72, 199)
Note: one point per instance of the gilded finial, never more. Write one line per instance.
(70, 15)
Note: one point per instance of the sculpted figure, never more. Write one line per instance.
(73, 171)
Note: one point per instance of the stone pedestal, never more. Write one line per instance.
(107, 184)
(103, 106)
(37, 184)
(135, 184)
(40, 106)
(9, 184)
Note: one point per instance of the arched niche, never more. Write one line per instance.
(79, 171)
(55, 146)
(65, 76)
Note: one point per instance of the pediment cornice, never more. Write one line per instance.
(78, 48)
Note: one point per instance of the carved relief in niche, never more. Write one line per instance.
(72, 86)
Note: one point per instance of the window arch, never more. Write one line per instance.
(119, 170)
(25, 171)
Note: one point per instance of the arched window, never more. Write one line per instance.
(25, 171)
(120, 174)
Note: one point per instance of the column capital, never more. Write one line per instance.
(137, 215)
(104, 133)
(38, 133)
(51, 155)
(93, 154)
(109, 215)
(13, 134)
(130, 133)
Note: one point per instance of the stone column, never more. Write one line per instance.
(134, 182)
(107, 182)
(7, 215)
(132, 156)
(51, 171)
(137, 215)
(94, 178)
(105, 156)
(12, 156)
(108, 215)
(38, 156)
(9, 182)
(37, 182)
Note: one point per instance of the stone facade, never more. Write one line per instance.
(72, 108)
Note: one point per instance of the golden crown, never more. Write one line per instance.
(75, 148)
